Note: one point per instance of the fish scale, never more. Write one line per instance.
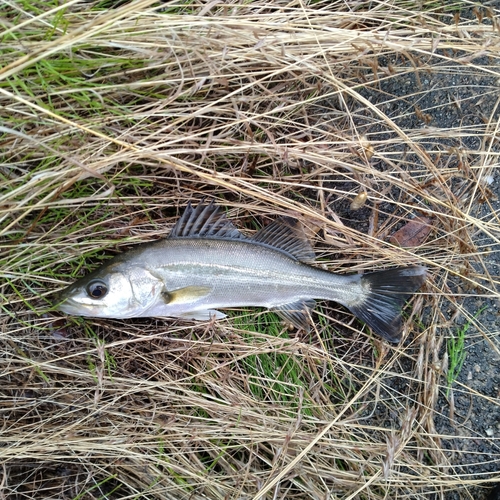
(273, 277)
(206, 264)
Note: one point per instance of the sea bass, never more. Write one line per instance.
(206, 264)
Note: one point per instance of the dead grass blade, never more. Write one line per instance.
(113, 119)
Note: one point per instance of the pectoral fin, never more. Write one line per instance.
(185, 295)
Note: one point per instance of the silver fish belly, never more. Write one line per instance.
(206, 264)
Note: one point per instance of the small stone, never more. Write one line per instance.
(477, 368)
(490, 432)
(469, 375)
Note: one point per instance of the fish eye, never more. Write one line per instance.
(97, 289)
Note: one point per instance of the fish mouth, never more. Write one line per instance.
(72, 307)
(67, 305)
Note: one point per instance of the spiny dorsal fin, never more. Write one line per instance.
(286, 234)
(296, 313)
(204, 221)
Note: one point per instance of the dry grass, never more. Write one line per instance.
(112, 120)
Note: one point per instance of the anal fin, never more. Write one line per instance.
(296, 313)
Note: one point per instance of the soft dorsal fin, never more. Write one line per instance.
(204, 221)
(286, 234)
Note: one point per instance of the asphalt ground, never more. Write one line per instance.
(445, 98)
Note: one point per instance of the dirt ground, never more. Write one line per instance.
(446, 98)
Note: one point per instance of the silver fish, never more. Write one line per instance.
(206, 264)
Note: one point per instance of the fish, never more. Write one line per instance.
(207, 264)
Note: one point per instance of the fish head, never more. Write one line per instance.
(113, 291)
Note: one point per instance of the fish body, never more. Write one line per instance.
(206, 264)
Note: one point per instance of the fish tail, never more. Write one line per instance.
(385, 293)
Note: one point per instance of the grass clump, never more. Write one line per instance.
(116, 115)
(457, 353)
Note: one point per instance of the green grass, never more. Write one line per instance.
(273, 377)
(97, 486)
(282, 378)
(457, 352)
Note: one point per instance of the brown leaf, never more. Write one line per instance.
(413, 233)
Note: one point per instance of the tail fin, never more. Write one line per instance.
(387, 292)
